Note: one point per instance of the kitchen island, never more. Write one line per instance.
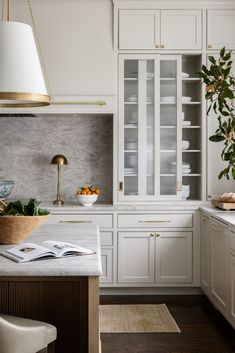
(63, 292)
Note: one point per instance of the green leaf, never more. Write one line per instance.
(216, 138)
(212, 59)
(222, 52)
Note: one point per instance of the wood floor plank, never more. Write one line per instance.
(203, 328)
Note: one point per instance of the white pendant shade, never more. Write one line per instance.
(21, 78)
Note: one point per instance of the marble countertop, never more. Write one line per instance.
(227, 217)
(85, 235)
(73, 207)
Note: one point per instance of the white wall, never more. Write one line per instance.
(76, 38)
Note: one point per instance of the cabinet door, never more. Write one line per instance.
(220, 29)
(206, 255)
(150, 151)
(174, 257)
(139, 29)
(135, 257)
(107, 266)
(169, 127)
(232, 290)
(181, 29)
(220, 290)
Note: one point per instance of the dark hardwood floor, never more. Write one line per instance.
(203, 328)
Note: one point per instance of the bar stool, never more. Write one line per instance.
(19, 335)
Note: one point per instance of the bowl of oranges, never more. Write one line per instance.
(87, 195)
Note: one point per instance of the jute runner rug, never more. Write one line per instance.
(136, 318)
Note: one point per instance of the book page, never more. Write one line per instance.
(63, 248)
(28, 251)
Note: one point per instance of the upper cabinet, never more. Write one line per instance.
(165, 29)
(139, 29)
(220, 29)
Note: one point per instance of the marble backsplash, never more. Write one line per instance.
(29, 143)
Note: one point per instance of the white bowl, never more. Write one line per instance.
(185, 145)
(185, 191)
(186, 99)
(184, 74)
(87, 200)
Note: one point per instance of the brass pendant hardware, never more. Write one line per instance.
(120, 185)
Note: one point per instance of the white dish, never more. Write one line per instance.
(184, 75)
(186, 171)
(185, 144)
(186, 99)
(170, 99)
(132, 98)
(185, 191)
(182, 116)
(186, 123)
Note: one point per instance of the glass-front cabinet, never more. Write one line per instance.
(151, 144)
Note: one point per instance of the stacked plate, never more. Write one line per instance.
(186, 168)
(129, 171)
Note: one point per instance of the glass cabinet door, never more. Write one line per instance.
(170, 158)
(148, 135)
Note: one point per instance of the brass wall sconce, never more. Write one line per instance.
(58, 160)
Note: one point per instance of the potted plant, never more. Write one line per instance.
(220, 86)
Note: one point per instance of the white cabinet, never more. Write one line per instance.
(206, 254)
(181, 29)
(173, 257)
(159, 106)
(154, 257)
(154, 29)
(135, 257)
(215, 263)
(219, 284)
(139, 29)
(107, 266)
(220, 29)
(232, 289)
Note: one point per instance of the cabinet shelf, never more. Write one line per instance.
(191, 151)
(191, 103)
(192, 127)
(167, 127)
(191, 79)
(135, 103)
(183, 175)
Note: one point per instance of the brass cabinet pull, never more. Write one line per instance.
(152, 235)
(157, 234)
(120, 185)
(157, 46)
(76, 221)
(209, 46)
(166, 221)
(162, 46)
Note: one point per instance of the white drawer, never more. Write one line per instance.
(106, 238)
(104, 221)
(155, 220)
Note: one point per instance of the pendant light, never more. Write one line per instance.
(22, 81)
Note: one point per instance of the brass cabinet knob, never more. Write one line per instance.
(157, 234)
(162, 46)
(157, 46)
(209, 46)
(152, 235)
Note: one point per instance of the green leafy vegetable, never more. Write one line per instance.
(17, 208)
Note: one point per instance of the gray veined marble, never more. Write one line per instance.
(28, 144)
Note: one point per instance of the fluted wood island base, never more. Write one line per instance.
(57, 294)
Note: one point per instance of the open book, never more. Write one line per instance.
(48, 249)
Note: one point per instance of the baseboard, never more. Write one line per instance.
(151, 291)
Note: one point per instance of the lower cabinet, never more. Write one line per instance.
(154, 257)
(217, 281)
(107, 266)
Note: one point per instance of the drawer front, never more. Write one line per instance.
(106, 238)
(107, 266)
(155, 220)
(104, 221)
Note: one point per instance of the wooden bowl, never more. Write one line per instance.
(14, 229)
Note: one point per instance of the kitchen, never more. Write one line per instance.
(129, 115)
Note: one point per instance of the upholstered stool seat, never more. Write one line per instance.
(19, 335)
